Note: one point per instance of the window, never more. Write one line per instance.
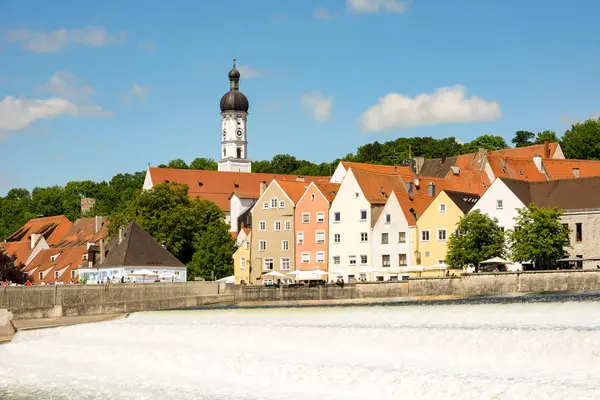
(337, 238)
(300, 237)
(352, 260)
(320, 217)
(274, 202)
(499, 204)
(277, 226)
(442, 261)
(281, 203)
(312, 197)
(320, 237)
(320, 257)
(268, 264)
(262, 245)
(442, 208)
(402, 260)
(364, 259)
(336, 260)
(427, 254)
(356, 195)
(425, 236)
(305, 257)
(385, 260)
(401, 237)
(285, 263)
(55, 274)
(266, 205)
(337, 216)
(306, 218)
(385, 238)
(441, 235)
(242, 262)
(288, 225)
(73, 274)
(247, 244)
(84, 257)
(364, 237)
(262, 226)
(363, 215)
(388, 218)
(41, 275)
(285, 245)
(579, 230)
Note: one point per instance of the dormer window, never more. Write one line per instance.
(84, 257)
(200, 183)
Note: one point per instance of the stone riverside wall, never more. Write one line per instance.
(70, 301)
(467, 285)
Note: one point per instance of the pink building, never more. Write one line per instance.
(311, 221)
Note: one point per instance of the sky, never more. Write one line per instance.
(92, 89)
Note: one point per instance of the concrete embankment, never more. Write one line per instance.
(494, 284)
(52, 305)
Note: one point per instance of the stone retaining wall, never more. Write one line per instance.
(493, 284)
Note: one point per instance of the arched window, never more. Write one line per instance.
(224, 152)
(239, 152)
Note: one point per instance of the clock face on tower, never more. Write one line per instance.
(239, 133)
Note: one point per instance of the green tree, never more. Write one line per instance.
(523, 138)
(177, 163)
(546, 135)
(168, 215)
(204, 164)
(262, 167)
(48, 201)
(214, 251)
(10, 271)
(489, 142)
(477, 239)
(582, 141)
(539, 236)
(284, 164)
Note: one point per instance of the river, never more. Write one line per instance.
(548, 350)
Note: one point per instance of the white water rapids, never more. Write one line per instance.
(475, 351)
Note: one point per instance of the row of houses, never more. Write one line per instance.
(54, 250)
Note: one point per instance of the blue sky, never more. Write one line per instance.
(90, 89)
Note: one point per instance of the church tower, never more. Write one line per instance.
(234, 112)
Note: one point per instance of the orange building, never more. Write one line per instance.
(311, 220)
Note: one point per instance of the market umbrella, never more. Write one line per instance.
(495, 260)
(275, 274)
(144, 273)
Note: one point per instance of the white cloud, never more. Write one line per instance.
(69, 97)
(51, 42)
(375, 6)
(317, 105)
(139, 91)
(447, 104)
(148, 46)
(322, 13)
(247, 72)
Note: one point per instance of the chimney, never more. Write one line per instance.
(443, 159)
(576, 173)
(120, 235)
(409, 189)
(102, 250)
(263, 187)
(419, 161)
(537, 160)
(97, 224)
(546, 148)
(431, 189)
(34, 239)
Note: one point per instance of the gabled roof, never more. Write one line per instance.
(567, 194)
(52, 228)
(377, 187)
(217, 186)
(413, 207)
(68, 259)
(138, 249)
(464, 201)
(329, 190)
(469, 182)
(20, 250)
(525, 152)
(382, 169)
(83, 231)
(293, 189)
(515, 168)
(559, 169)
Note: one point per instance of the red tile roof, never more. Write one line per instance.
(52, 228)
(376, 186)
(20, 250)
(558, 169)
(413, 207)
(217, 186)
(293, 189)
(329, 190)
(525, 152)
(382, 169)
(83, 231)
(68, 259)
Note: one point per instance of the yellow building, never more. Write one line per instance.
(241, 260)
(434, 228)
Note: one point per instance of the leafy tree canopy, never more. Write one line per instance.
(10, 271)
(582, 141)
(477, 239)
(539, 236)
(523, 138)
(546, 135)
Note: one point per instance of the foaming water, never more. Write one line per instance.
(484, 351)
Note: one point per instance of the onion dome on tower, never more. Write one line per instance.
(234, 100)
